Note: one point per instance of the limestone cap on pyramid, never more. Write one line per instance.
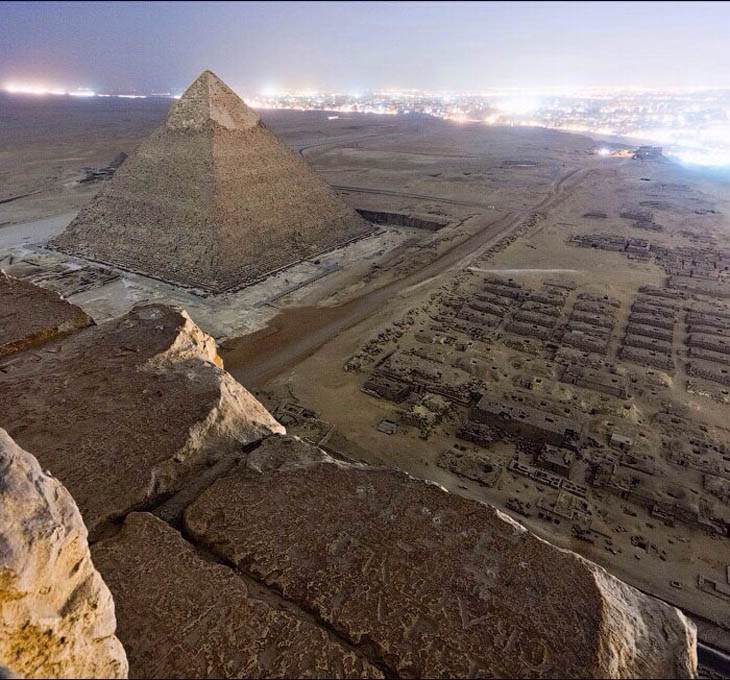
(208, 99)
(212, 199)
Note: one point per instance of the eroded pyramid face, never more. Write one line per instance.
(211, 200)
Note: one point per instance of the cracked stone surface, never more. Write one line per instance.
(129, 411)
(434, 584)
(31, 316)
(182, 616)
(56, 613)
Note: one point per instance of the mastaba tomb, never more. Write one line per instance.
(212, 200)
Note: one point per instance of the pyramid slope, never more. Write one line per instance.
(212, 199)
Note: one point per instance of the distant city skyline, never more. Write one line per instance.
(352, 47)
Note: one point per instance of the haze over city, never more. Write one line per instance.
(612, 69)
(351, 46)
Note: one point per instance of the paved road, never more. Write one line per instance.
(297, 332)
(342, 140)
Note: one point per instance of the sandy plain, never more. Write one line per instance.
(513, 198)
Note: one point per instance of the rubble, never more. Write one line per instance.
(469, 465)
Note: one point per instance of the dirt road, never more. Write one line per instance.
(297, 332)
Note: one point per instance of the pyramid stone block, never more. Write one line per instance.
(212, 200)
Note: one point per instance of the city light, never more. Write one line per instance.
(43, 90)
(520, 105)
(693, 126)
(25, 88)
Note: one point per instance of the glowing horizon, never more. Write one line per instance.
(667, 116)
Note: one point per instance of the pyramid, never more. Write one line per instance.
(211, 199)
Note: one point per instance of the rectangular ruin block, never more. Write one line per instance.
(502, 282)
(650, 332)
(599, 308)
(556, 459)
(592, 319)
(711, 310)
(480, 318)
(716, 321)
(386, 388)
(709, 355)
(654, 291)
(646, 357)
(493, 299)
(477, 433)
(600, 241)
(565, 284)
(487, 307)
(597, 380)
(708, 371)
(700, 286)
(698, 329)
(655, 320)
(527, 316)
(585, 342)
(528, 329)
(603, 299)
(644, 308)
(648, 343)
(711, 342)
(664, 303)
(594, 331)
(504, 291)
(547, 299)
(524, 421)
(541, 308)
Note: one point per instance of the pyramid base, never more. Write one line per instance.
(203, 290)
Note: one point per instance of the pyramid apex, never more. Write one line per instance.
(206, 99)
(207, 74)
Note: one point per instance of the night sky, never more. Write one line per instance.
(355, 46)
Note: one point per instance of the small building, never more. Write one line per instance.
(648, 153)
(387, 427)
(386, 388)
(597, 380)
(524, 421)
(556, 459)
(620, 441)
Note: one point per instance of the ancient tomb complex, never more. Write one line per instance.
(231, 549)
(211, 200)
(482, 439)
